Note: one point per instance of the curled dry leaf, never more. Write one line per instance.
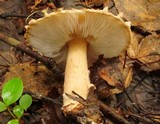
(143, 13)
(147, 52)
(115, 75)
(132, 50)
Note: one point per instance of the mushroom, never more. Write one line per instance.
(76, 38)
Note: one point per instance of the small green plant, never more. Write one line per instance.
(11, 93)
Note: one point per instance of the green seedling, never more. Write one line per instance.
(11, 93)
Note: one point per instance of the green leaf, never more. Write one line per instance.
(18, 111)
(13, 121)
(25, 101)
(12, 90)
(2, 106)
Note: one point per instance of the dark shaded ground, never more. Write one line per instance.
(139, 103)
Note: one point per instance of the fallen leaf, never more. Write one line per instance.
(142, 13)
(133, 50)
(149, 53)
(36, 2)
(35, 79)
(7, 58)
(115, 75)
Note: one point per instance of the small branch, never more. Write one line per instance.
(39, 96)
(77, 98)
(82, 5)
(130, 99)
(48, 62)
(7, 15)
(111, 112)
(140, 30)
(140, 118)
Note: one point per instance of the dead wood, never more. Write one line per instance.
(48, 62)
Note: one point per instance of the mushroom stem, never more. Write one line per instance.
(76, 73)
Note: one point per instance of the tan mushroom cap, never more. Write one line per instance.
(105, 33)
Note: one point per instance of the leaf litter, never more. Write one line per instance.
(128, 83)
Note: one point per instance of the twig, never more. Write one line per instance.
(109, 111)
(111, 6)
(125, 59)
(82, 5)
(140, 30)
(140, 81)
(130, 99)
(39, 96)
(140, 118)
(7, 15)
(77, 98)
(48, 62)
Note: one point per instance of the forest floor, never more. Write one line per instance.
(133, 97)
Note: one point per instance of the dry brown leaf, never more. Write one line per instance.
(149, 53)
(51, 5)
(107, 76)
(149, 45)
(143, 13)
(132, 51)
(9, 6)
(36, 2)
(115, 75)
(7, 58)
(35, 79)
(146, 51)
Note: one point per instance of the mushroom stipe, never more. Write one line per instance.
(75, 38)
